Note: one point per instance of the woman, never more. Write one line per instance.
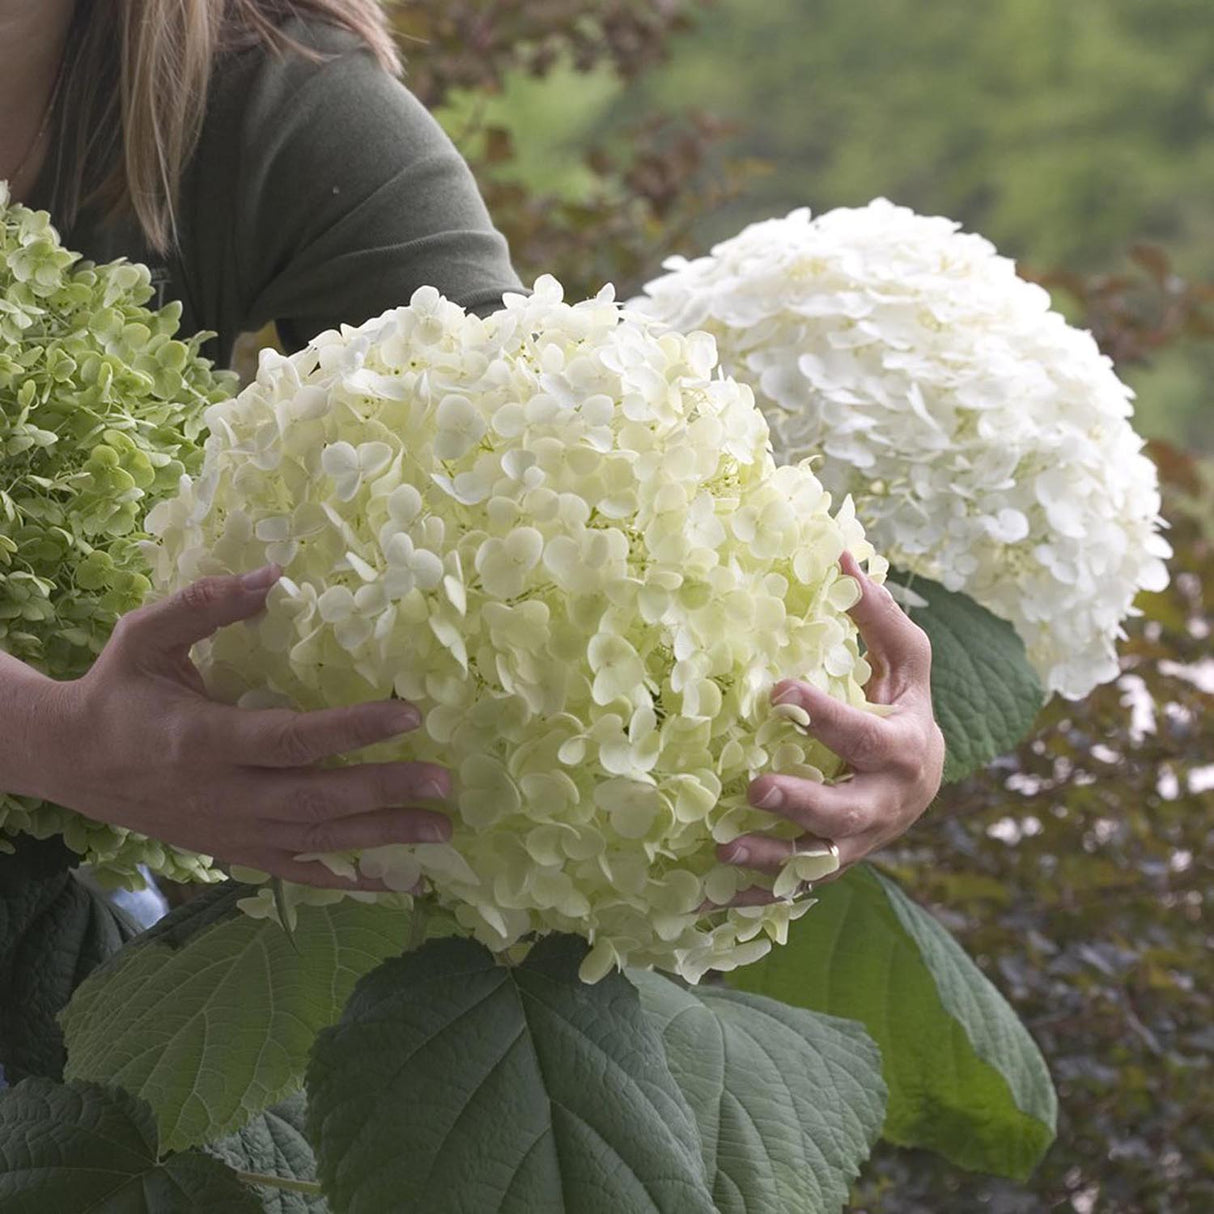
(263, 159)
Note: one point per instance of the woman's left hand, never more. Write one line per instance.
(897, 760)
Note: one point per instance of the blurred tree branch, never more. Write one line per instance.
(474, 44)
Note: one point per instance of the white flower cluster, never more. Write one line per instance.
(986, 443)
(567, 542)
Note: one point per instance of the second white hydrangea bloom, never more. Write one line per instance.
(986, 442)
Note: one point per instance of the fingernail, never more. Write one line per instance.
(405, 717)
(790, 695)
(434, 832)
(432, 790)
(259, 579)
(771, 799)
(739, 854)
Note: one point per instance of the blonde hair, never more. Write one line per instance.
(133, 104)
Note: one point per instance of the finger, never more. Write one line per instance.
(897, 645)
(322, 794)
(830, 811)
(866, 741)
(765, 853)
(196, 611)
(754, 896)
(279, 737)
(770, 855)
(856, 848)
(311, 872)
(379, 828)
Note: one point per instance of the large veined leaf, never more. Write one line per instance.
(211, 1018)
(82, 1146)
(275, 1144)
(984, 692)
(965, 1078)
(788, 1102)
(454, 1083)
(54, 930)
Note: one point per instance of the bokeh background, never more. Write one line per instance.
(1079, 137)
(1066, 133)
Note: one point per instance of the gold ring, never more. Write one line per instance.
(808, 844)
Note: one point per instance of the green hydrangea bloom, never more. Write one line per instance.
(100, 412)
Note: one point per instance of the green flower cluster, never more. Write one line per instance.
(100, 409)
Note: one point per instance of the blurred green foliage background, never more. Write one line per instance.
(1064, 132)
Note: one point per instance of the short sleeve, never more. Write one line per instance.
(327, 193)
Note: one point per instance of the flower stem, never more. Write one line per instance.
(417, 928)
(310, 1187)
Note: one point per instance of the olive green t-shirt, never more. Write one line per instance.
(320, 193)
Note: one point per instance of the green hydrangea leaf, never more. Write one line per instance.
(964, 1076)
(210, 1018)
(82, 1146)
(274, 1143)
(457, 1083)
(789, 1102)
(985, 694)
(54, 930)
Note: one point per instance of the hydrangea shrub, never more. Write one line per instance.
(987, 443)
(100, 407)
(564, 537)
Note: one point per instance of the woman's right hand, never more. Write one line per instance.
(138, 743)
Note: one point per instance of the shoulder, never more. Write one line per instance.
(323, 122)
(330, 100)
(321, 36)
(320, 41)
(323, 191)
(254, 83)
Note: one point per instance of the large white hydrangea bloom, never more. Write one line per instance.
(565, 540)
(986, 443)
